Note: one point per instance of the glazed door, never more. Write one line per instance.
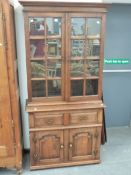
(85, 55)
(45, 55)
(48, 147)
(64, 55)
(6, 122)
(82, 144)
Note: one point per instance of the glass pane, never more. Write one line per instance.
(91, 87)
(92, 67)
(54, 48)
(77, 87)
(77, 49)
(38, 88)
(77, 26)
(36, 26)
(38, 69)
(53, 26)
(93, 48)
(77, 68)
(94, 26)
(37, 48)
(54, 87)
(54, 68)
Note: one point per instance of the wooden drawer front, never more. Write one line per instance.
(42, 120)
(84, 118)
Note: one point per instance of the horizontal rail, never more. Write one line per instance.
(116, 71)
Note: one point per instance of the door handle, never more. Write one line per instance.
(1, 123)
(70, 145)
(3, 44)
(62, 146)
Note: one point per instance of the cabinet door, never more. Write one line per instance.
(6, 130)
(82, 144)
(85, 56)
(45, 55)
(47, 147)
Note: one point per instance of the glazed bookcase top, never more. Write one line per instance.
(64, 50)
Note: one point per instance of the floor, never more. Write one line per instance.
(115, 157)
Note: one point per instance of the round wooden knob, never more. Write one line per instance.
(70, 145)
(62, 146)
(35, 109)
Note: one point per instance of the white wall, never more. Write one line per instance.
(20, 40)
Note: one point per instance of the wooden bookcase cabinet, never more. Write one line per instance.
(64, 50)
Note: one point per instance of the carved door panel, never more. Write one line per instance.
(6, 130)
(48, 147)
(82, 144)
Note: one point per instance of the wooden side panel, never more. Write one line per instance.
(6, 136)
(14, 91)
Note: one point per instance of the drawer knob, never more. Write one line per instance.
(3, 44)
(0, 123)
(50, 121)
(83, 118)
(70, 145)
(35, 109)
(62, 146)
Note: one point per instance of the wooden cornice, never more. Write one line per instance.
(62, 4)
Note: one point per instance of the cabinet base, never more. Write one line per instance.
(65, 164)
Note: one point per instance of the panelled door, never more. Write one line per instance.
(6, 122)
(82, 144)
(48, 147)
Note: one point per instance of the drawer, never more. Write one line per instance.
(90, 117)
(43, 120)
